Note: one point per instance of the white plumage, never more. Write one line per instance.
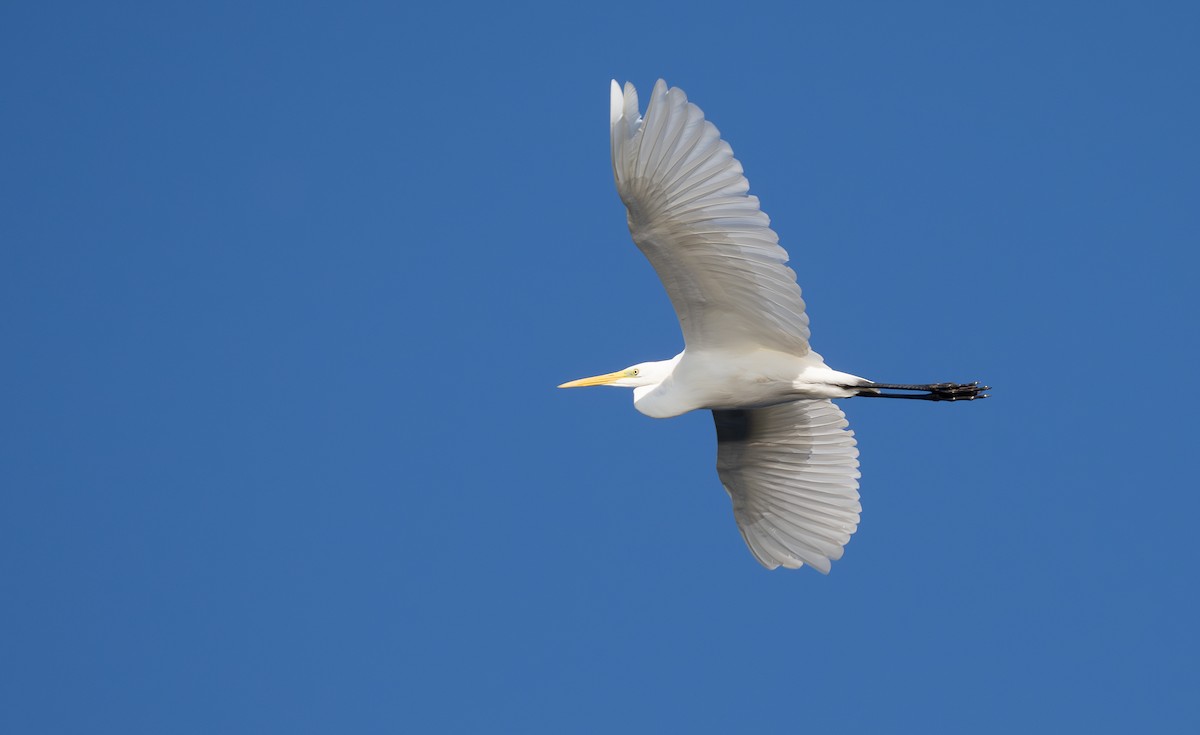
(690, 213)
(792, 473)
(785, 456)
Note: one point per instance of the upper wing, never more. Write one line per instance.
(792, 472)
(690, 214)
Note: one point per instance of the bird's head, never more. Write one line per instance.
(634, 376)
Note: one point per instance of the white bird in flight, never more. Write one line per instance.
(784, 453)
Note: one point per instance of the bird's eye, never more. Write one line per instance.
(635, 372)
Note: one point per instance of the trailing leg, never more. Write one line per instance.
(930, 392)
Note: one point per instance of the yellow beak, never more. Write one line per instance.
(597, 380)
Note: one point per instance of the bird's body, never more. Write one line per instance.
(784, 453)
(731, 379)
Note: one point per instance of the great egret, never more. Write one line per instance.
(784, 453)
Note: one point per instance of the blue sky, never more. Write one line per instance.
(285, 290)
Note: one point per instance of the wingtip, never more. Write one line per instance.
(623, 103)
(616, 103)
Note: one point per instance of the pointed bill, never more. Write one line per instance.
(596, 380)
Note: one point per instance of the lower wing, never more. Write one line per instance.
(792, 473)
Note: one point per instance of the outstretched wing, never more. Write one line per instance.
(792, 473)
(690, 214)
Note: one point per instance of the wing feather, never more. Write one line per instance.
(792, 473)
(691, 215)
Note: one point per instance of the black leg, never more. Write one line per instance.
(930, 392)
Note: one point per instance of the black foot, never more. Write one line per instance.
(931, 392)
(958, 391)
